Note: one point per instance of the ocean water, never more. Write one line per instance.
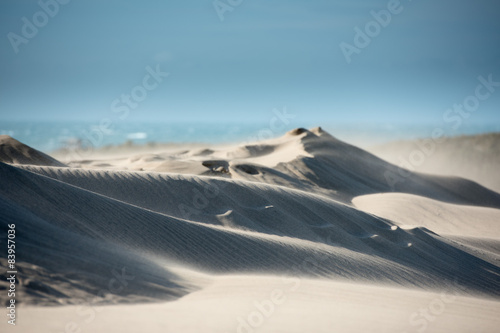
(49, 136)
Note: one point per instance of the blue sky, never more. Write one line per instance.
(263, 55)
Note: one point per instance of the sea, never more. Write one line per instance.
(49, 136)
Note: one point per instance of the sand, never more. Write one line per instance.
(475, 157)
(299, 233)
(15, 152)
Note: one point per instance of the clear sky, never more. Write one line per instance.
(85, 55)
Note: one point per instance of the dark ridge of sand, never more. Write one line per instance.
(216, 227)
(15, 152)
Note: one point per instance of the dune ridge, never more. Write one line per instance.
(15, 152)
(304, 205)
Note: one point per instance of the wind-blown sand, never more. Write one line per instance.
(475, 157)
(302, 233)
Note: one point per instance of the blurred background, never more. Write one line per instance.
(221, 71)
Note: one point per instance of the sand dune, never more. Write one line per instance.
(311, 160)
(474, 157)
(13, 151)
(443, 218)
(198, 227)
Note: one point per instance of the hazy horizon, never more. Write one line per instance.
(49, 136)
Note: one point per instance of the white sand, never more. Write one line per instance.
(272, 304)
(302, 233)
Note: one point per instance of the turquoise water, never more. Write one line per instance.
(49, 136)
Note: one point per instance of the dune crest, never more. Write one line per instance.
(15, 152)
(305, 206)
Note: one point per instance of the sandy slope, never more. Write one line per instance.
(410, 211)
(13, 151)
(193, 227)
(474, 157)
(273, 304)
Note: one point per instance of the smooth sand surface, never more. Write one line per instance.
(302, 233)
(273, 304)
